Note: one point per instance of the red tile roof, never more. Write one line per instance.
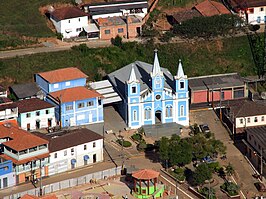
(27, 196)
(210, 8)
(32, 104)
(243, 4)
(68, 13)
(75, 94)
(23, 161)
(145, 174)
(63, 74)
(20, 139)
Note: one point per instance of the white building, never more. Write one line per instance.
(35, 113)
(252, 11)
(75, 148)
(69, 21)
(117, 8)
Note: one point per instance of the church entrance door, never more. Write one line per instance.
(158, 117)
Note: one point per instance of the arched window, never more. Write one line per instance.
(169, 111)
(147, 113)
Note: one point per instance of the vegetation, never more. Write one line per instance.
(208, 192)
(148, 29)
(179, 3)
(205, 58)
(202, 174)
(117, 41)
(179, 174)
(231, 188)
(124, 143)
(23, 18)
(137, 137)
(229, 169)
(207, 27)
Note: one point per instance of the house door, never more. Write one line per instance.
(28, 126)
(94, 158)
(37, 124)
(90, 118)
(49, 122)
(138, 31)
(4, 182)
(72, 121)
(158, 117)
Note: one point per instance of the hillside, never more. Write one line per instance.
(199, 58)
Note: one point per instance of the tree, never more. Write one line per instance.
(229, 169)
(117, 41)
(163, 149)
(180, 153)
(201, 174)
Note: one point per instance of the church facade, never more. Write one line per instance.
(151, 94)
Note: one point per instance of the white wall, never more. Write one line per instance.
(251, 123)
(64, 162)
(70, 24)
(252, 17)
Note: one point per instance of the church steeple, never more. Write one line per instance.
(180, 73)
(156, 69)
(132, 76)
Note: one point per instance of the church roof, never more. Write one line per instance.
(142, 72)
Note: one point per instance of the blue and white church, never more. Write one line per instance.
(151, 94)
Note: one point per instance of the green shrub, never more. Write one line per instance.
(137, 137)
(208, 192)
(214, 166)
(124, 143)
(117, 41)
(231, 188)
(142, 145)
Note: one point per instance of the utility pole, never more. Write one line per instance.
(41, 177)
(261, 162)
(221, 103)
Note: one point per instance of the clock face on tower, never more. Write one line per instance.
(158, 97)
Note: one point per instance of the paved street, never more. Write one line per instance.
(242, 168)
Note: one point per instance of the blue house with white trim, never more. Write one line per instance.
(7, 175)
(151, 94)
(74, 103)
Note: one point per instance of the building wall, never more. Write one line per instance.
(258, 120)
(43, 84)
(69, 27)
(66, 84)
(132, 30)
(7, 176)
(29, 176)
(256, 15)
(8, 114)
(113, 31)
(64, 157)
(24, 121)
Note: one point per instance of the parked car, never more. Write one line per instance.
(204, 128)
(260, 186)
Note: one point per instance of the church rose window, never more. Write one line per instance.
(158, 97)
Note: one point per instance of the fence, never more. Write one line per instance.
(69, 183)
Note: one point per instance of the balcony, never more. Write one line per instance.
(9, 113)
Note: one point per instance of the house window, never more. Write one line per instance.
(120, 30)
(256, 119)
(169, 111)
(107, 32)
(47, 112)
(182, 112)
(55, 155)
(78, 29)
(248, 120)
(241, 121)
(133, 89)
(37, 113)
(94, 144)
(147, 114)
(79, 19)
(90, 103)
(65, 153)
(68, 21)
(85, 147)
(27, 115)
(262, 118)
(69, 107)
(80, 105)
(261, 9)
(99, 102)
(72, 151)
(134, 115)
(67, 83)
(250, 10)
(182, 85)
(56, 85)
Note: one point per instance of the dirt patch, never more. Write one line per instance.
(219, 45)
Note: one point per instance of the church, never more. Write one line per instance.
(151, 94)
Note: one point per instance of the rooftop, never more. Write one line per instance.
(66, 139)
(67, 13)
(215, 81)
(246, 108)
(145, 174)
(63, 74)
(259, 134)
(25, 90)
(242, 4)
(185, 15)
(74, 94)
(110, 21)
(210, 8)
(19, 139)
(23, 161)
(33, 104)
(9, 105)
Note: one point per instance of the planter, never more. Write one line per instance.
(234, 197)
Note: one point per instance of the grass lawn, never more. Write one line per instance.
(22, 18)
(199, 58)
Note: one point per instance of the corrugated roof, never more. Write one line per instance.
(259, 134)
(74, 94)
(67, 13)
(66, 139)
(247, 108)
(25, 90)
(33, 104)
(215, 81)
(63, 74)
(105, 88)
(20, 139)
(210, 8)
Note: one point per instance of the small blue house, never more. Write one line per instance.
(7, 176)
(75, 104)
(151, 94)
